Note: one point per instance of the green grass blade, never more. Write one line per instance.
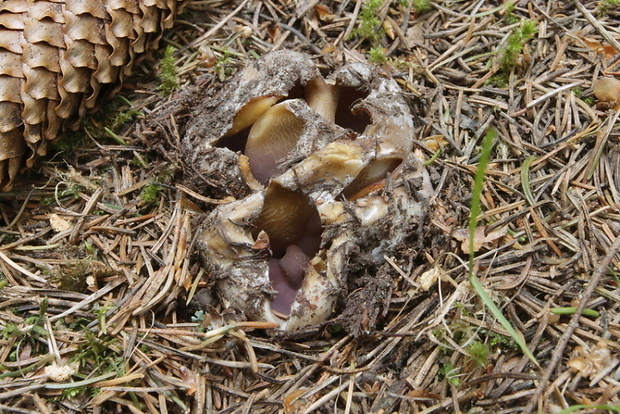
(574, 408)
(570, 310)
(487, 145)
(525, 180)
(486, 299)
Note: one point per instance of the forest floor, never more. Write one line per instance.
(96, 246)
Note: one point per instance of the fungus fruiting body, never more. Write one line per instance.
(327, 172)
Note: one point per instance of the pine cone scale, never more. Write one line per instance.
(54, 57)
(10, 64)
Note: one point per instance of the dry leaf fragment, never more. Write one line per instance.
(435, 142)
(481, 238)
(415, 35)
(292, 404)
(428, 279)
(189, 378)
(61, 373)
(58, 223)
(607, 89)
(607, 51)
(389, 29)
(323, 13)
(590, 363)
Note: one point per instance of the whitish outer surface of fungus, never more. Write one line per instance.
(55, 58)
(321, 168)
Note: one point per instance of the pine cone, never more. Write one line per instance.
(55, 57)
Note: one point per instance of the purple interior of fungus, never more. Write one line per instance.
(290, 219)
(294, 228)
(286, 276)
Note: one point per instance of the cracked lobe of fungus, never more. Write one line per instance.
(57, 58)
(332, 177)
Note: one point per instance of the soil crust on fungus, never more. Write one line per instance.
(106, 306)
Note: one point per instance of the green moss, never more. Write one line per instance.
(421, 6)
(500, 80)
(100, 354)
(73, 277)
(151, 193)
(168, 72)
(578, 92)
(377, 56)
(71, 393)
(509, 16)
(224, 66)
(72, 190)
(605, 6)
(32, 332)
(510, 53)
(336, 329)
(502, 341)
(89, 248)
(70, 141)
(479, 352)
(69, 191)
(368, 25)
(515, 43)
(450, 373)
(123, 113)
